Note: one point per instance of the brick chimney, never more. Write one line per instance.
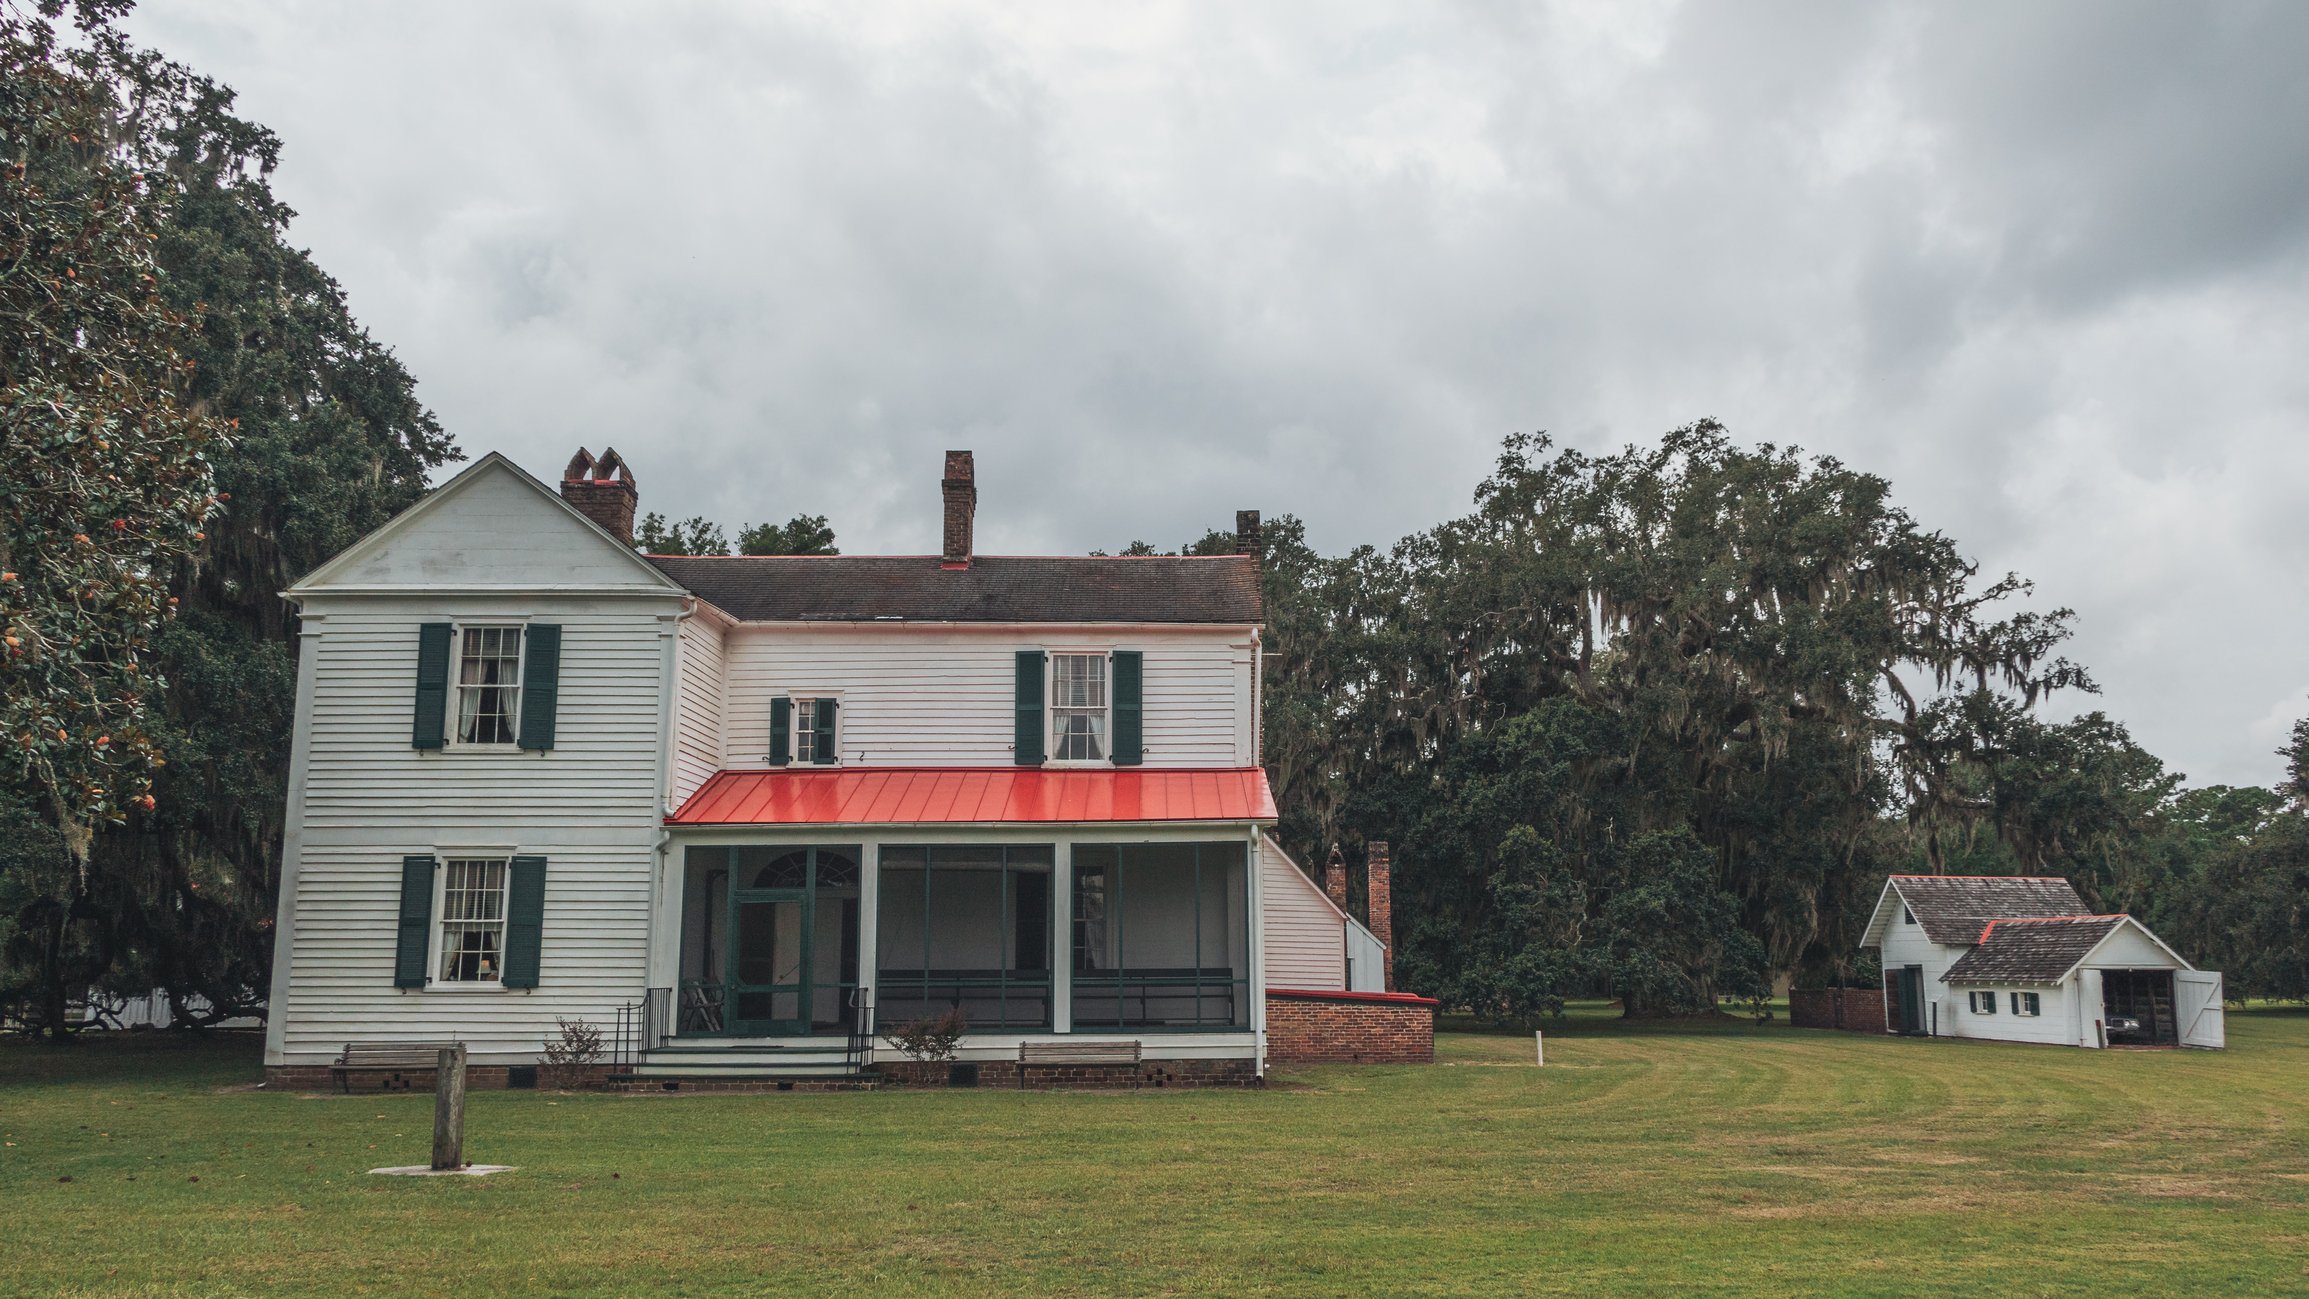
(602, 490)
(1380, 901)
(1247, 534)
(961, 488)
(1335, 878)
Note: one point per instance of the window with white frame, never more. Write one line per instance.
(2025, 1003)
(473, 920)
(1984, 1003)
(806, 731)
(488, 685)
(1078, 707)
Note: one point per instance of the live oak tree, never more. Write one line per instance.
(105, 480)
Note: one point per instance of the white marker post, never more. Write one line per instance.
(1539, 1048)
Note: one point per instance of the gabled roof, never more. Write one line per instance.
(614, 560)
(1953, 910)
(2031, 951)
(976, 796)
(1206, 589)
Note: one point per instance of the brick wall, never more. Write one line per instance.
(1349, 1028)
(1149, 1073)
(478, 1077)
(1855, 1010)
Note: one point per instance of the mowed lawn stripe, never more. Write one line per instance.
(1719, 1158)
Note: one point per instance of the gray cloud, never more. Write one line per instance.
(2047, 268)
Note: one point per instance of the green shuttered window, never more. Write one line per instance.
(431, 727)
(781, 731)
(524, 921)
(1129, 708)
(416, 925)
(1028, 737)
(540, 686)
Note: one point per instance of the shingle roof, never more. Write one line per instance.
(1954, 909)
(863, 588)
(2031, 951)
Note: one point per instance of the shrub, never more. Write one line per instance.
(570, 1057)
(932, 1038)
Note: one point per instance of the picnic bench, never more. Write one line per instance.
(385, 1057)
(1072, 1054)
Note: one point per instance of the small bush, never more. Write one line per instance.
(932, 1038)
(571, 1057)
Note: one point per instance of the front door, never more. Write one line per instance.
(769, 962)
(791, 967)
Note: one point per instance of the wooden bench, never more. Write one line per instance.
(385, 1057)
(1064, 1054)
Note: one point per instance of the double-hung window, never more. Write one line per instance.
(488, 685)
(2025, 1003)
(473, 920)
(1984, 1003)
(1078, 708)
(806, 730)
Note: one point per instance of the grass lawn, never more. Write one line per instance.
(1719, 1159)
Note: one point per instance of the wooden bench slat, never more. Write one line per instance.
(366, 1057)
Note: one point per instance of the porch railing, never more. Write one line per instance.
(861, 1016)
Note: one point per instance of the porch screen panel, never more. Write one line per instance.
(1161, 936)
(965, 926)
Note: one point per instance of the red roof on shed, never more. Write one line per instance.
(975, 796)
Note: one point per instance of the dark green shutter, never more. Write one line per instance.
(822, 750)
(1028, 739)
(431, 726)
(1129, 708)
(416, 929)
(781, 731)
(540, 684)
(524, 920)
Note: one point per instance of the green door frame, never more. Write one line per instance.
(1912, 999)
(735, 989)
(804, 987)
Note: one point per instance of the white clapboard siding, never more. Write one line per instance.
(698, 740)
(943, 696)
(590, 806)
(1306, 937)
(2054, 1024)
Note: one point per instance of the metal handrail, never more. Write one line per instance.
(861, 1050)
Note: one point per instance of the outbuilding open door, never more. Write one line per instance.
(2197, 1007)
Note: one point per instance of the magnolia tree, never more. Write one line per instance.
(104, 478)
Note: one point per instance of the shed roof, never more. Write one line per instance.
(996, 588)
(976, 796)
(1955, 909)
(2035, 950)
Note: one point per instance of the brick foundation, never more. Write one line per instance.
(1349, 1027)
(478, 1078)
(1855, 1010)
(1148, 1073)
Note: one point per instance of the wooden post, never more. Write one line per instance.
(449, 1109)
(1539, 1050)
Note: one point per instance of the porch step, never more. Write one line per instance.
(745, 1062)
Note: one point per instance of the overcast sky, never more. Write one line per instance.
(2045, 267)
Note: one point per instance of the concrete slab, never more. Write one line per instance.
(420, 1170)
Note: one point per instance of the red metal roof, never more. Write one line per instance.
(975, 796)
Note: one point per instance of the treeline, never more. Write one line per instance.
(1658, 724)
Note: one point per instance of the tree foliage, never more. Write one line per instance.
(327, 442)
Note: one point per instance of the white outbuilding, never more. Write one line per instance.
(2022, 959)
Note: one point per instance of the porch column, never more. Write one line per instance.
(870, 924)
(1062, 938)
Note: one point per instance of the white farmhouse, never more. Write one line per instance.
(2019, 958)
(750, 813)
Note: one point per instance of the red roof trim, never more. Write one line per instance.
(977, 796)
(2026, 879)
